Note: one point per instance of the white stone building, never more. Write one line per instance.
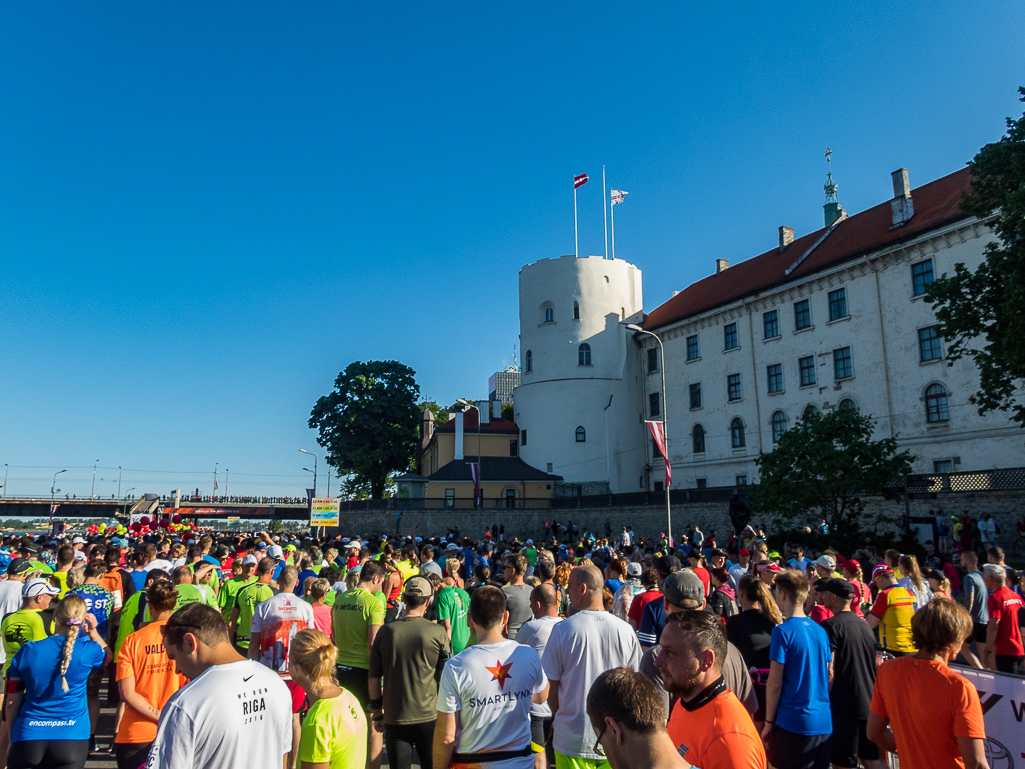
(833, 319)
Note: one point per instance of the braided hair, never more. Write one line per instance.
(70, 613)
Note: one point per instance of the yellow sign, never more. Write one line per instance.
(324, 512)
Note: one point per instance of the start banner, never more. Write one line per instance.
(1003, 707)
(324, 512)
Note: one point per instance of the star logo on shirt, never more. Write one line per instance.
(500, 673)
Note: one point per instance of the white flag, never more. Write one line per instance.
(618, 195)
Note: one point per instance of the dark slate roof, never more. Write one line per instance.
(936, 204)
(470, 425)
(493, 469)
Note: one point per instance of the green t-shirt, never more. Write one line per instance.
(335, 732)
(126, 627)
(229, 592)
(453, 605)
(531, 554)
(248, 598)
(18, 628)
(352, 615)
(409, 654)
(40, 566)
(194, 594)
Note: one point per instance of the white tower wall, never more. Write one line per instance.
(558, 394)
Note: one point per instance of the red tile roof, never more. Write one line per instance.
(470, 425)
(936, 204)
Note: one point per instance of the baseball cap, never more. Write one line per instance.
(80, 556)
(836, 586)
(852, 565)
(826, 562)
(773, 554)
(684, 589)
(881, 569)
(37, 586)
(250, 560)
(744, 551)
(452, 546)
(345, 540)
(78, 541)
(19, 566)
(275, 551)
(667, 564)
(769, 567)
(633, 569)
(530, 542)
(262, 546)
(418, 587)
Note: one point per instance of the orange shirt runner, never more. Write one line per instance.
(142, 655)
(717, 735)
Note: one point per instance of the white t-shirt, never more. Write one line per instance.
(275, 623)
(988, 531)
(10, 601)
(580, 649)
(231, 716)
(535, 635)
(159, 563)
(490, 687)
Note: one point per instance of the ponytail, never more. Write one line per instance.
(312, 652)
(70, 613)
(755, 590)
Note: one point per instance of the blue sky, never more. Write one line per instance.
(207, 210)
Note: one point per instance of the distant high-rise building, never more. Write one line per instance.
(502, 383)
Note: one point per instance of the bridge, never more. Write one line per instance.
(32, 508)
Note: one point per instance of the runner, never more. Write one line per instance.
(246, 601)
(453, 605)
(1004, 651)
(544, 605)
(891, 613)
(26, 624)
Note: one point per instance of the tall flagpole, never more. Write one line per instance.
(576, 237)
(613, 231)
(605, 209)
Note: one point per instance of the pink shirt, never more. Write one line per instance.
(322, 619)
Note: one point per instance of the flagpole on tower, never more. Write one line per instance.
(615, 196)
(605, 209)
(578, 181)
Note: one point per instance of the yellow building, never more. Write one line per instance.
(448, 451)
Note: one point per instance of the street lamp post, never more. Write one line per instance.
(92, 494)
(304, 451)
(119, 481)
(53, 491)
(5, 480)
(215, 478)
(665, 429)
(125, 503)
(226, 471)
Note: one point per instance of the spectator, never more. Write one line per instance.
(631, 588)
(891, 613)
(934, 713)
(722, 599)
(739, 569)
(912, 580)
(799, 562)
(797, 722)
(1003, 650)
(987, 531)
(625, 712)
(862, 601)
(975, 596)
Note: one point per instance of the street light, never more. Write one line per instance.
(119, 481)
(304, 451)
(92, 495)
(665, 429)
(5, 480)
(226, 471)
(479, 502)
(125, 502)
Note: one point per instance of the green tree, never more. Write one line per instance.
(370, 422)
(822, 466)
(981, 314)
(508, 412)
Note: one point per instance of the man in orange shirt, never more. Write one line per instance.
(146, 678)
(709, 725)
(934, 712)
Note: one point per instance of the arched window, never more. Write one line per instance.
(576, 311)
(584, 354)
(936, 406)
(847, 404)
(549, 314)
(699, 439)
(780, 423)
(809, 410)
(530, 361)
(581, 435)
(737, 437)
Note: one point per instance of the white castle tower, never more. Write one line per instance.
(579, 405)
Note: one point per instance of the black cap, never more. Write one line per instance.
(667, 564)
(19, 566)
(836, 586)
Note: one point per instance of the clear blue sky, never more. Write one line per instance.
(207, 210)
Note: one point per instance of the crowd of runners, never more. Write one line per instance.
(234, 651)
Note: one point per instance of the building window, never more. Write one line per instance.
(693, 351)
(838, 304)
(806, 366)
(737, 438)
(653, 404)
(741, 481)
(512, 448)
(702, 483)
(847, 404)
(549, 315)
(943, 465)
(770, 322)
(775, 376)
(658, 485)
(780, 423)
(652, 359)
(695, 395)
(811, 410)
(530, 361)
(921, 277)
(656, 452)
(581, 435)
(584, 354)
(730, 339)
(450, 497)
(510, 498)
(523, 437)
(576, 311)
(802, 314)
(843, 366)
(699, 439)
(936, 405)
(930, 346)
(733, 389)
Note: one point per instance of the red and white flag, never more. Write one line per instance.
(579, 181)
(658, 433)
(618, 195)
(475, 474)
(215, 484)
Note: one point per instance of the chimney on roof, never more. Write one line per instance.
(902, 207)
(483, 412)
(786, 237)
(721, 265)
(426, 427)
(458, 454)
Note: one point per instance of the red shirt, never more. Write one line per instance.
(639, 602)
(705, 577)
(1003, 607)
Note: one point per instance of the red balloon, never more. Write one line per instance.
(144, 520)
(165, 524)
(176, 519)
(136, 527)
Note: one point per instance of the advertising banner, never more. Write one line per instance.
(324, 512)
(233, 520)
(1003, 708)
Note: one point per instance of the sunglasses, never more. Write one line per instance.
(597, 743)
